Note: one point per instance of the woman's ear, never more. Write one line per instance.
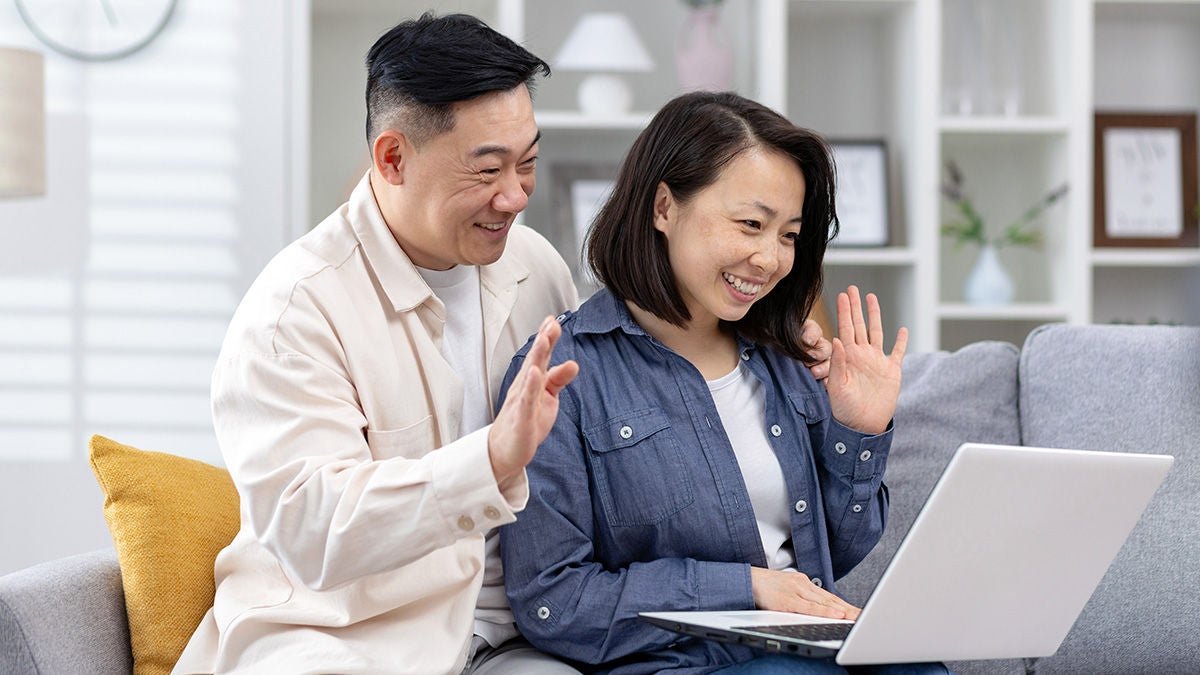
(664, 207)
(388, 155)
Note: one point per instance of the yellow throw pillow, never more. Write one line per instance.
(169, 517)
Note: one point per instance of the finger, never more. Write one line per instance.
(845, 324)
(543, 345)
(874, 321)
(820, 370)
(901, 345)
(837, 360)
(560, 376)
(810, 332)
(856, 314)
(804, 606)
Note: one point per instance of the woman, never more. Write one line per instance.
(695, 463)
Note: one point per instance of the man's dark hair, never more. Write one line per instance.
(420, 68)
(686, 146)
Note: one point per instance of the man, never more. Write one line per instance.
(353, 395)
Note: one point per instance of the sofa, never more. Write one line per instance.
(1119, 388)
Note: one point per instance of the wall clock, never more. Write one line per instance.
(96, 30)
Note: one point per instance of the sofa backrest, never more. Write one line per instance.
(1128, 389)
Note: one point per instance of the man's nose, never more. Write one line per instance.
(511, 195)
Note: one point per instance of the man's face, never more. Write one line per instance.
(463, 188)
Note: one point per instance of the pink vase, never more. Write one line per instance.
(703, 53)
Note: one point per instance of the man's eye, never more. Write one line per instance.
(490, 172)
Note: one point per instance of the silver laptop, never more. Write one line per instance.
(999, 563)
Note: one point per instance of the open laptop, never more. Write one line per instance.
(999, 563)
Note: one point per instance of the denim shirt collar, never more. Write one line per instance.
(609, 314)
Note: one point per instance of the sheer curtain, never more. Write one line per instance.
(167, 190)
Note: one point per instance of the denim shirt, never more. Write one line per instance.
(636, 502)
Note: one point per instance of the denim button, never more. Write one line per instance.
(840, 448)
(801, 506)
(543, 612)
(745, 356)
(560, 318)
(775, 430)
(857, 508)
(866, 454)
(626, 432)
(817, 582)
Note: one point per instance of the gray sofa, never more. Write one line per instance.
(1122, 388)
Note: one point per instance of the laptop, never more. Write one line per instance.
(999, 563)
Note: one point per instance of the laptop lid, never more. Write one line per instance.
(1000, 561)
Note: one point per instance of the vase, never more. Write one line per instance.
(988, 283)
(703, 52)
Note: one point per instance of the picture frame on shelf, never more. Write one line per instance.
(1145, 180)
(577, 191)
(862, 193)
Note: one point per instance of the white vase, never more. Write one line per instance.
(988, 283)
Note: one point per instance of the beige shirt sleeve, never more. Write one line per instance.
(331, 502)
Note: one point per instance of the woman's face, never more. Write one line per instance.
(736, 238)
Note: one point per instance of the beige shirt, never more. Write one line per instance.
(363, 512)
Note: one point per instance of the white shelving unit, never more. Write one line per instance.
(896, 70)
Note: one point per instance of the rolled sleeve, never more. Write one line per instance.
(856, 499)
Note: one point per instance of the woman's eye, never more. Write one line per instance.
(791, 236)
(752, 224)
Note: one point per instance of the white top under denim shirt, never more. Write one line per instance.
(637, 502)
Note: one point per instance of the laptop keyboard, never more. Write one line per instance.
(806, 631)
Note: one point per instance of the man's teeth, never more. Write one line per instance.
(493, 227)
(742, 286)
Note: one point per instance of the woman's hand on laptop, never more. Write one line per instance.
(794, 592)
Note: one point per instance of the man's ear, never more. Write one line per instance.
(389, 153)
(664, 207)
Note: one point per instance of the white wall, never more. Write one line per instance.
(169, 175)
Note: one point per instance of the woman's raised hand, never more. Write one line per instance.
(863, 382)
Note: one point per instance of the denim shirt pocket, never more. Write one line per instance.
(638, 468)
(812, 409)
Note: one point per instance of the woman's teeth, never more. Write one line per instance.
(742, 286)
(492, 227)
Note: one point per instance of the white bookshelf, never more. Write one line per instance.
(889, 69)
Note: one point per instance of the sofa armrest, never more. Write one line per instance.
(65, 616)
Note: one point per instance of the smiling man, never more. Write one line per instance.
(354, 392)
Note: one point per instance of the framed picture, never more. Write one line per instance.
(862, 193)
(578, 190)
(1145, 179)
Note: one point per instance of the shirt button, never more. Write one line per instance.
(466, 523)
(775, 430)
(840, 448)
(626, 432)
(801, 506)
(492, 512)
(866, 454)
(745, 356)
(543, 612)
(560, 318)
(817, 582)
(857, 508)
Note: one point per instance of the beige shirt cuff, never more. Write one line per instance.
(468, 496)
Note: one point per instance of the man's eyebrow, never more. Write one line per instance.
(493, 149)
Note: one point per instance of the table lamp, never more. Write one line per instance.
(604, 43)
(22, 123)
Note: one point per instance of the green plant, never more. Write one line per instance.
(969, 226)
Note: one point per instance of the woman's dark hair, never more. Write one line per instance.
(420, 68)
(686, 146)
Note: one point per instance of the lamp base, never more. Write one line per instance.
(603, 95)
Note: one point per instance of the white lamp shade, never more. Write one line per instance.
(22, 123)
(605, 42)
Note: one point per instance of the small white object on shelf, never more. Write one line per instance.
(604, 44)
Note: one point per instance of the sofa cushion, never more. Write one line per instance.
(169, 517)
(1127, 389)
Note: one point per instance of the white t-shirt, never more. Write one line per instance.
(741, 404)
(462, 345)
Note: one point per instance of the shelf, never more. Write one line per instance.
(1146, 257)
(1020, 311)
(1019, 126)
(570, 119)
(895, 256)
